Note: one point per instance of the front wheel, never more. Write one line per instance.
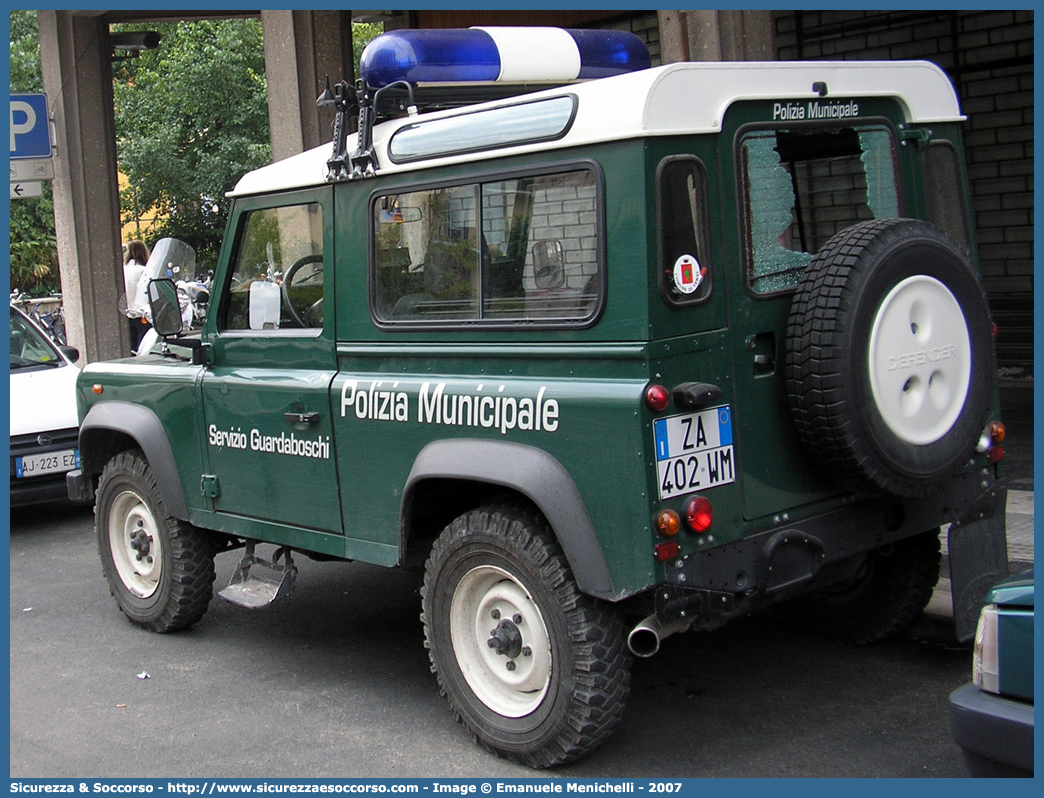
(536, 671)
(160, 569)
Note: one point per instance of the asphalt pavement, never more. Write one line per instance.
(334, 682)
(312, 687)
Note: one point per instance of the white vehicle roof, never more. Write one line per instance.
(689, 98)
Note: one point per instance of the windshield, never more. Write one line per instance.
(29, 347)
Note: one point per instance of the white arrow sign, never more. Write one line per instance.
(22, 190)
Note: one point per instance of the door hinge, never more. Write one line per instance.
(919, 136)
(209, 486)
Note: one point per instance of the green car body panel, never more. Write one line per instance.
(583, 272)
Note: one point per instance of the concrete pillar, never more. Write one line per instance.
(301, 49)
(704, 35)
(77, 77)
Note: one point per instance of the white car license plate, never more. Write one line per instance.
(35, 465)
(694, 451)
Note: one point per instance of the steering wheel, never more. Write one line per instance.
(288, 278)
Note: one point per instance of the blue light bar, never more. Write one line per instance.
(507, 55)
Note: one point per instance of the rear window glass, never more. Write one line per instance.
(944, 192)
(802, 186)
(523, 249)
(683, 231)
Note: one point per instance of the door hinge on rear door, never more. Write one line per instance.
(919, 136)
(209, 486)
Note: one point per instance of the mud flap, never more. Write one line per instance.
(978, 554)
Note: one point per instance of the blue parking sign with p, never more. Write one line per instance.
(30, 130)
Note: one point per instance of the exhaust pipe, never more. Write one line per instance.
(644, 639)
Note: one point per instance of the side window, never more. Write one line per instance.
(523, 249)
(802, 186)
(944, 192)
(684, 259)
(277, 279)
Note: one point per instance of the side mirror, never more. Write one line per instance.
(163, 303)
(548, 265)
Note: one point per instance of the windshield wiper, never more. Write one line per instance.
(37, 363)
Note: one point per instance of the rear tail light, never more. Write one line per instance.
(657, 398)
(699, 514)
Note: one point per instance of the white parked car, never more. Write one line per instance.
(44, 425)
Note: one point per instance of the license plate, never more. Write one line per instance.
(694, 451)
(35, 465)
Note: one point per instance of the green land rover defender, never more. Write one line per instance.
(606, 351)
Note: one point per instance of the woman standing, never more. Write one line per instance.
(135, 258)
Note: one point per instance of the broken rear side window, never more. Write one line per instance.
(802, 186)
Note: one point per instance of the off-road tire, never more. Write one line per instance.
(886, 597)
(166, 582)
(502, 560)
(889, 352)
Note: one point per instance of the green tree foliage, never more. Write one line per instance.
(362, 34)
(191, 118)
(34, 259)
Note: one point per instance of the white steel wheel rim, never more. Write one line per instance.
(920, 360)
(135, 544)
(483, 599)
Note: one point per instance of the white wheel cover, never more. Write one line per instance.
(483, 596)
(920, 360)
(135, 544)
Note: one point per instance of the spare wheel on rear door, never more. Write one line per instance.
(889, 357)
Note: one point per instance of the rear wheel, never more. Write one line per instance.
(160, 569)
(536, 671)
(882, 594)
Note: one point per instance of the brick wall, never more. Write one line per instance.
(989, 57)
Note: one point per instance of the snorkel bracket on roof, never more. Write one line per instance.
(360, 102)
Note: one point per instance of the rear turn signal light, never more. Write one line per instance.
(699, 514)
(990, 438)
(657, 398)
(996, 431)
(668, 523)
(666, 551)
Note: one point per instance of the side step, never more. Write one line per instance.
(257, 583)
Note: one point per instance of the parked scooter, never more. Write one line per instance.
(195, 291)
